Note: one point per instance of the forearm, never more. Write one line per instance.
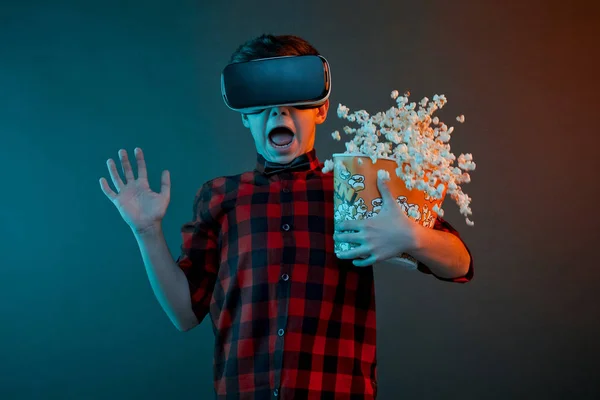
(442, 252)
(168, 281)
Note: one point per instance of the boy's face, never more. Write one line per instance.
(283, 133)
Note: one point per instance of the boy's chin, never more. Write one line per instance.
(284, 156)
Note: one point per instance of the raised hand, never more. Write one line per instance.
(139, 206)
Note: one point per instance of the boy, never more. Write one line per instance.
(292, 320)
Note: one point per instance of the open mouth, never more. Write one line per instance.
(281, 137)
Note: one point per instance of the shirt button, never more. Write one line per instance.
(280, 332)
(285, 227)
(286, 190)
(275, 392)
(285, 277)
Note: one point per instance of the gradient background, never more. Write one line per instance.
(81, 79)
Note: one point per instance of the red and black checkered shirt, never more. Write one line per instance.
(291, 320)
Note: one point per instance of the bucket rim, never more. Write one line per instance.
(361, 155)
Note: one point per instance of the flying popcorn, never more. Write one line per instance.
(328, 167)
(419, 143)
(349, 131)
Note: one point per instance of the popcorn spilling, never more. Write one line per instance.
(417, 142)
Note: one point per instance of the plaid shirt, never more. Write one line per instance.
(291, 320)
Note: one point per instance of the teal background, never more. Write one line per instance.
(81, 79)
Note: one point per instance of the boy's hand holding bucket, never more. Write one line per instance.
(387, 235)
(371, 212)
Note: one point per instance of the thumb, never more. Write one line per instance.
(165, 183)
(384, 189)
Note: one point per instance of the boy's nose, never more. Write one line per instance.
(279, 110)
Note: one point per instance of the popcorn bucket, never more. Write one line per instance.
(356, 196)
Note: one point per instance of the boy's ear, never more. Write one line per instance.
(245, 120)
(322, 112)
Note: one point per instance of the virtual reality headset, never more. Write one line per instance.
(296, 81)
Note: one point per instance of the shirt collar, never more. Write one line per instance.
(306, 162)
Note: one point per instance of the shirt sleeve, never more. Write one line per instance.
(443, 225)
(199, 257)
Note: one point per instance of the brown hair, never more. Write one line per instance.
(267, 46)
